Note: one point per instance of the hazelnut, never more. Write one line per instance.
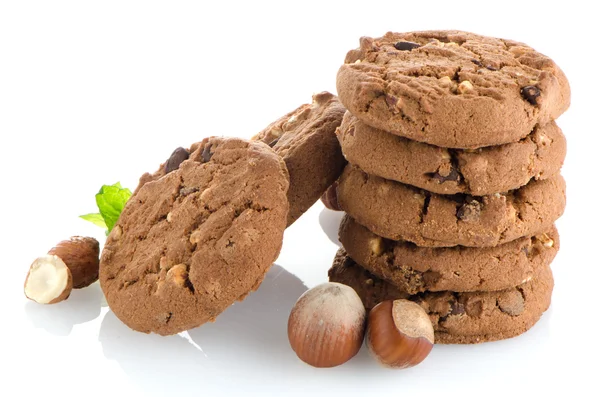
(49, 280)
(329, 198)
(81, 255)
(399, 333)
(326, 325)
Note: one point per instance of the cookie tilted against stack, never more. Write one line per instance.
(453, 183)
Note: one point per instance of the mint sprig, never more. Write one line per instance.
(111, 200)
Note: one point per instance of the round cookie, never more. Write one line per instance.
(450, 88)
(192, 242)
(478, 172)
(458, 317)
(305, 139)
(416, 269)
(400, 212)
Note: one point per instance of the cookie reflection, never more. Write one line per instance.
(250, 329)
(257, 326)
(330, 223)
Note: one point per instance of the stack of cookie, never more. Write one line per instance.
(453, 183)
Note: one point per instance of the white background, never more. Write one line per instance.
(95, 92)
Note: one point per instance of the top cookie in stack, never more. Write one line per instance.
(452, 149)
(452, 89)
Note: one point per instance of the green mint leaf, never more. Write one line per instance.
(96, 219)
(111, 200)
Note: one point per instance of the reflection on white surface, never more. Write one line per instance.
(251, 331)
(83, 305)
(330, 223)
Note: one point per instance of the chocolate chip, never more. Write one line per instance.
(392, 102)
(512, 303)
(490, 67)
(178, 156)
(273, 142)
(431, 277)
(477, 62)
(406, 46)
(474, 307)
(206, 154)
(531, 94)
(453, 176)
(457, 309)
(470, 211)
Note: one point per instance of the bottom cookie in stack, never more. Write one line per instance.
(458, 317)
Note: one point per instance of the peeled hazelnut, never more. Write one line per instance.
(49, 280)
(399, 333)
(327, 325)
(329, 198)
(81, 255)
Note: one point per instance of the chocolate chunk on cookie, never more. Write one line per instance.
(452, 89)
(191, 242)
(416, 269)
(458, 317)
(401, 212)
(478, 172)
(305, 139)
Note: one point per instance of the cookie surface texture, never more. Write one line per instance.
(458, 317)
(400, 212)
(305, 139)
(193, 241)
(452, 89)
(461, 269)
(478, 172)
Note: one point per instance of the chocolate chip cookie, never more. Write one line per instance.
(465, 317)
(305, 139)
(416, 269)
(452, 89)
(190, 243)
(401, 212)
(478, 172)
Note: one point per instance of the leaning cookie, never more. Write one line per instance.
(305, 139)
(478, 172)
(401, 212)
(465, 317)
(190, 243)
(461, 269)
(451, 88)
